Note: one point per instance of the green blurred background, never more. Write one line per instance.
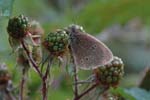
(122, 24)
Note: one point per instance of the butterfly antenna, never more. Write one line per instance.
(75, 18)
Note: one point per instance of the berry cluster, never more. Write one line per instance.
(111, 73)
(18, 27)
(57, 42)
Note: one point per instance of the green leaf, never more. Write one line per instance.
(5, 8)
(139, 94)
(122, 93)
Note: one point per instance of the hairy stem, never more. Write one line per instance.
(85, 92)
(76, 80)
(9, 95)
(76, 83)
(36, 67)
(22, 85)
(44, 89)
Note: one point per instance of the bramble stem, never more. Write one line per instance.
(75, 81)
(9, 95)
(75, 76)
(36, 67)
(22, 85)
(85, 92)
(44, 89)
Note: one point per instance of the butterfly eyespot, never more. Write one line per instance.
(86, 58)
(81, 61)
(94, 47)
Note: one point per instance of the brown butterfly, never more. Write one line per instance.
(87, 51)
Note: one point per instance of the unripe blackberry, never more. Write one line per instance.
(57, 42)
(18, 27)
(111, 73)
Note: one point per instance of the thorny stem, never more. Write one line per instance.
(44, 92)
(75, 76)
(9, 96)
(36, 67)
(22, 85)
(75, 81)
(44, 89)
(85, 92)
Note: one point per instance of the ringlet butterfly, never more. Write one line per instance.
(88, 52)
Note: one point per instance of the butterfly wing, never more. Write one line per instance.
(88, 52)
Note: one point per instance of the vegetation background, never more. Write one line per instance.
(124, 25)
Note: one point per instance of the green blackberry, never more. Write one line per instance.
(57, 42)
(18, 26)
(111, 73)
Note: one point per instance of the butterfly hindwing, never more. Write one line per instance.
(88, 52)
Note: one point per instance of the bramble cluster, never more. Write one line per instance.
(56, 42)
(18, 26)
(111, 73)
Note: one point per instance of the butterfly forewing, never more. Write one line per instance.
(88, 52)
